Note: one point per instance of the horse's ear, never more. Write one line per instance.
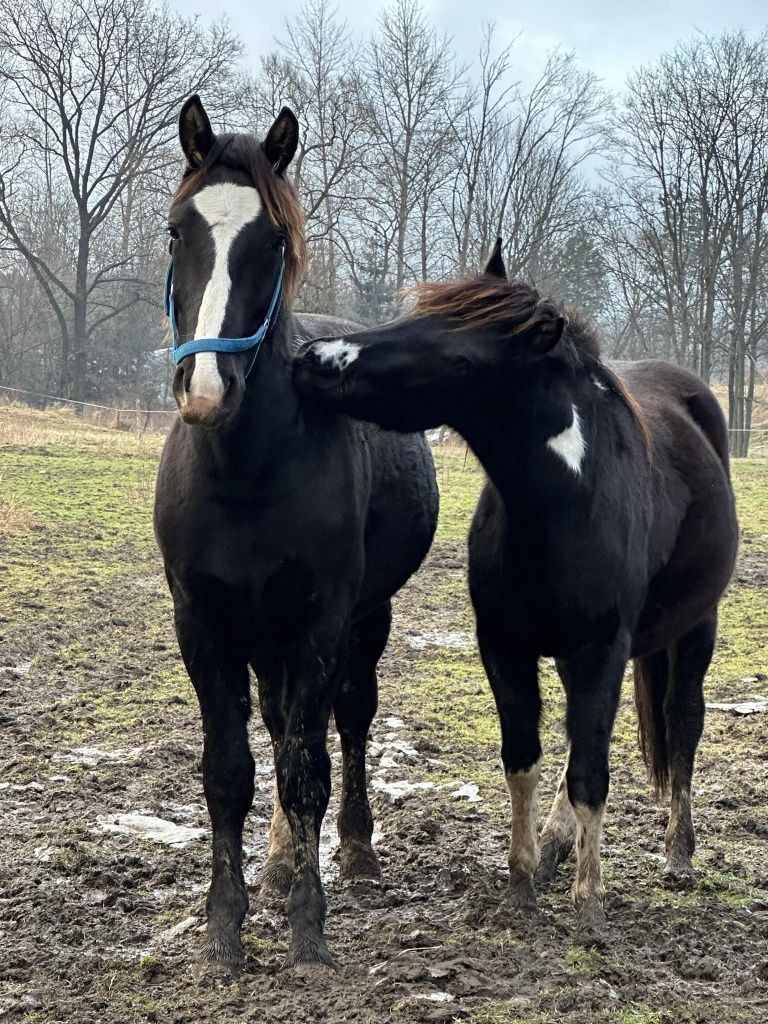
(195, 132)
(495, 265)
(545, 327)
(282, 140)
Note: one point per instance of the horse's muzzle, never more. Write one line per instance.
(202, 410)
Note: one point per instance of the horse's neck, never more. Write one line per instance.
(532, 446)
(267, 423)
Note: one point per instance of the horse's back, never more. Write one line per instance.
(659, 386)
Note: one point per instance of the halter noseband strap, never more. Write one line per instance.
(230, 345)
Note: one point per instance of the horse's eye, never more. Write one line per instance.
(279, 240)
(462, 364)
(173, 231)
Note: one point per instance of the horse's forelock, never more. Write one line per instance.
(278, 196)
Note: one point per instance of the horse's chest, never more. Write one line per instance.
(256, 549)
(553, 587)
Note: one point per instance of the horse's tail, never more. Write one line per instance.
(651, 682)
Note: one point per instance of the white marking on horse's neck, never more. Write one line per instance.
(226, 208)
(339, 353)
(570, 444)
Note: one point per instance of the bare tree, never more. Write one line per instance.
(689, 195)
(414, 84)
(315, 71)
(92, 92)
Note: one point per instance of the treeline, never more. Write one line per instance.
(647, 209)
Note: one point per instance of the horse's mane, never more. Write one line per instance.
(244, 153)
(484, 301)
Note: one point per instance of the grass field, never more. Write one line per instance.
(99, 721)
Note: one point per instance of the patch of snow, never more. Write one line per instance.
(16, 671)
(469, 791)
(435, 997)
(178, 929)
(744, 707)
(90, 756)
(400, 789)
(434, 638)
(147, 826)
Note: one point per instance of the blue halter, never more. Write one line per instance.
(190, 348)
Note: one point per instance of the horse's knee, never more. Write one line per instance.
(587, 781)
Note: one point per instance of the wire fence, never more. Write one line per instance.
(141, 420)
(114, 417)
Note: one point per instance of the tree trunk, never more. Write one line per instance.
(79, 333)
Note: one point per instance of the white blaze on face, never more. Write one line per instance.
(570, 444)
(226, 208)
(338, 353)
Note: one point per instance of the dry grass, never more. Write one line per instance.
(13, 518)
(21, 426)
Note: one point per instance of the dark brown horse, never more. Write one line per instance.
(606, 532)
(285, 529)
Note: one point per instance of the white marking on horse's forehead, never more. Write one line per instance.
(226, 208)
(339, 352)
(570, 445)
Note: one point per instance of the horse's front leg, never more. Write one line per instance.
(595, 672)
(303, 770)
(515, 684)
(220, 678)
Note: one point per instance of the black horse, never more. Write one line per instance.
(607, 532)
(285, 529)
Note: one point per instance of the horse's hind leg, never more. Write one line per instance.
(515, 684)
(277, 873)
(353, 709)
(684, 717)
(221, 681)
(559, 832)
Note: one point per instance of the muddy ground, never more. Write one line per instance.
(101, 906)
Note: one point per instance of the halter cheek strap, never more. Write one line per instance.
(229, 345)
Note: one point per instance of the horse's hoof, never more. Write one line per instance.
(591, 925)
(553, 854)
(358, 861)
(521, 894)
(679, 872)
(308, 951)
(276, 879)
(222, 950)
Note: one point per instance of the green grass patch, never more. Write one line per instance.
(750, 482)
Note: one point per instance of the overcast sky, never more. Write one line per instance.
(609, 36)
